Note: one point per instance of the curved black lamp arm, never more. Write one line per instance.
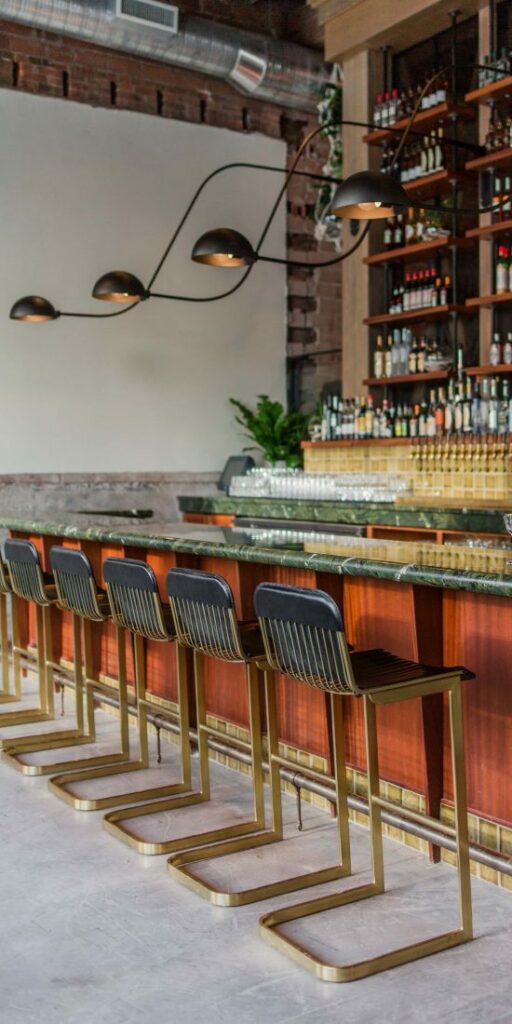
(99, 316)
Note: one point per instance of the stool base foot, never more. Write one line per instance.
(269, 930)
(59, 785)
(178, 868)
(29, 716)
(11, 756)
(201, 839)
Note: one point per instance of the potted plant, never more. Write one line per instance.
(276, 433)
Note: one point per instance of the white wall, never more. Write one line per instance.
(85, 190)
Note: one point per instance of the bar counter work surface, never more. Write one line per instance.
(482, 570)
(439, 604)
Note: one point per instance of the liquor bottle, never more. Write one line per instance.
(398, 237)
(405, 344)
(388, 233)
(395, 354)
(421, 356)
(407, 292)
(457, 407)
(449, 409)
(492, 424)
(431, 415)
(507, 350)
(445, 295)
(377, 112)
(467, 407)
(388, 361)
(440, 413)
(410, 228)
(484, 404)
(476, 410)
(413, 357)
(378, 358)
(370, 415)
(495, 350)
(498, 213)
(422, 420)
(506, 196)
(439, 159)
(414, 422)
(503, 408)
(502, 270)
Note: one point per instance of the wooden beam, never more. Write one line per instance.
(352, 25)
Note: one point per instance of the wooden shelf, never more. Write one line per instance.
(487, 371)
(501, 158)
(408, 378)
(416, 251)
(425, 119)
(381, 441)
(429, 313)
(491, 93)
(490, 300)
(488, 230)
(431, 185)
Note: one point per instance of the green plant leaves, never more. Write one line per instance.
(276, 432)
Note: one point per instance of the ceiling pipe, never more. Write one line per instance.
(268, 69)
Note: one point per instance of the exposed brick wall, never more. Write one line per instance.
(51, 65)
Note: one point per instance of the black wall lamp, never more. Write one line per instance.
(364, 196)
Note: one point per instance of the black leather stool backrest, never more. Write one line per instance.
(25, 571)
(134, 599)
(304, 636)
(204, 613)
(76, 587)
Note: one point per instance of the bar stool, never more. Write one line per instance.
(134, 605)
(29, 583)
(305, 639)
(20, 655)
(6, 693)
(205, 620)
(79, 594)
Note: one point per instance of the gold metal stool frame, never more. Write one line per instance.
(78, 594)
(318, 655)
(144, 609)
(20, 655)
(28, 583)
(213, 629)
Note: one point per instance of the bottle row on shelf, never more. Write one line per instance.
(421, 289)
(416, 226)
(495, 67)
(500, 350)
(503, 270)
(427, 155)
(464, 407)
(394, 104)
(502, 199)
(499, 134)
(404, 354)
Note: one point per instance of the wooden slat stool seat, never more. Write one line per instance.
(305, 639)
(133, 603)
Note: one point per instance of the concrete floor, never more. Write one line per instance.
(93, 933)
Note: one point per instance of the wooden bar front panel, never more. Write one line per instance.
(421, 623)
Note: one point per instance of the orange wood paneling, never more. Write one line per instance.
(214, 518)
(477, 635)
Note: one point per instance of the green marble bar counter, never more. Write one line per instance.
(453, 567)
(409, 514)
(441, 604)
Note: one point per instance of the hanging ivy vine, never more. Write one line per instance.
(327, 226)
